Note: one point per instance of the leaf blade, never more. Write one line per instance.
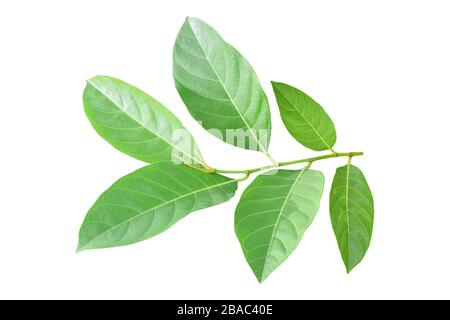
(273, 214)
(219, 86)
(304, 118)
(148, 202)
(135, 123)
(352, 214)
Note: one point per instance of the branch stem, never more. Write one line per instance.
(288, 163)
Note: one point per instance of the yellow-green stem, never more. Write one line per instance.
(287, 163)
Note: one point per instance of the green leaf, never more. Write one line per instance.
(137, 124)
(219, 87)
(273, 214)
(149, 201)
(304, 118)
(352, 214)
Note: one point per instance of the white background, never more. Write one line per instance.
(380, 68)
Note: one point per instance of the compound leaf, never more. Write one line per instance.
(273, 214)
(352, 214)
(149, 201)
(220, 88)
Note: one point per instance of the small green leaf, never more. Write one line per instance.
(304, 118)
(137, 124)
(149, 201)
(219, 87)
(273, 214)
(352, 214)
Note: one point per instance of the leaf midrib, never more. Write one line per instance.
(226, 90)
(153, 209)
(347, 188)
(278, 219)
(304, 118)
(140, 123)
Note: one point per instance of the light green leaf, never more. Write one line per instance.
(273, 214)
(137, 124)
(149, 201)
(352, 214)
(219, 87)
(304, 118)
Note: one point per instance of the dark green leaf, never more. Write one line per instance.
(352, 214)
(273, 214)
(149, 201)
(304, 118)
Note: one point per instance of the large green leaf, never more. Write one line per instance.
(273, 214)
(352, 214)
(137, 124)
(149, 201)
(304, 118)
(219, 87)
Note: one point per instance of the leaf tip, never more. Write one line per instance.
(92, 80)
(350, 265)
(260, 278)
(81, 247)
(191, 20)
(89, 82)
(276, 86)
